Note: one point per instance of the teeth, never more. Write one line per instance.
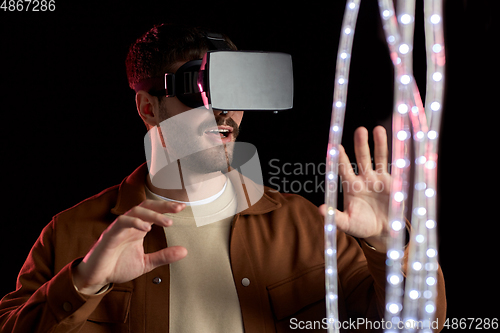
(219, 131)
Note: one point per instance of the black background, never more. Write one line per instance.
(70, 128)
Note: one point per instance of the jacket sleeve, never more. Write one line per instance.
(45, 301)
(362, 277)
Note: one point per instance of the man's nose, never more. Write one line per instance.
(222, 113)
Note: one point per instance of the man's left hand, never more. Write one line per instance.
(366, 195)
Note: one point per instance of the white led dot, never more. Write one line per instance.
(421, 211)
(420, 186)
(329, 271)
(405, 79)
(435, 19)
(343, 55)
(404, 48)
(341, 81)
(400, 163)
(430, 266)
(435, 106)
(414, 294)
(429, 192)
(429, 308)
(431, 253)
(394, 279)
(402, 135)
(397, 225)
(386, 13)
(419, 238)
(331, 176)
(347, 31)
(437, 76)
(430, 281)
(420, 135)
(331, 212)
(402, 108)
(329, 227)
(399, 196)
(391, 39)
(417, 266)
(410, 324)
(430, 224)
(393, 308)
(430, 164)
(420, 160)
(432, 135)
(394, 254)
(329, 252)
(436, 48)
(333, 152)
(338, 104)
(352, 5)
(405, 18)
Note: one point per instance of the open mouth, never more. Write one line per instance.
(223, 133)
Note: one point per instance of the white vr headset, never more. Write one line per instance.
(229, 80)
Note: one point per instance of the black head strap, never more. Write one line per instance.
(216, 41)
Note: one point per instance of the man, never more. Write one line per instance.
(145, 256)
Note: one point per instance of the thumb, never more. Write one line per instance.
(341, 218)
(163, 257)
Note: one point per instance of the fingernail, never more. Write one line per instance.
(178, 205)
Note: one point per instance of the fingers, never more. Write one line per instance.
(149, 212)
(381, 150)
(345, 167)
(152, 211)
(362, 150)
(162, 207)
(165, 256)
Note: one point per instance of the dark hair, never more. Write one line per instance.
(154, 53)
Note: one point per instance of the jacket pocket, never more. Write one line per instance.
(114, 307)
(297, 292)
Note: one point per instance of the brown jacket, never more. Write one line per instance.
(277, 244)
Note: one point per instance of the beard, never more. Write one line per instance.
(204, 160)
(218, 158)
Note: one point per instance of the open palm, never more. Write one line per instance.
(366, 195)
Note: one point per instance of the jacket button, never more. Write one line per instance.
(67, 306)
(157, 280)
(245, 282)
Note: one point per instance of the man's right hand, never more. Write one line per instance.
(118, 256)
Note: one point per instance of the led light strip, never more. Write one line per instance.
(409, 120)
(400, 46)
(336, 128)
(420, 290)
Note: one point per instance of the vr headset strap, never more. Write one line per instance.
(216, 41)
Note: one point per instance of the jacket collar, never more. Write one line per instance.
(131, 192)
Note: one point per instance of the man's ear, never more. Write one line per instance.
(147, 107)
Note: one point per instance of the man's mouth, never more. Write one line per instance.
(223, 133)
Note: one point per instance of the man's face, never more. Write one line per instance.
(201, 139)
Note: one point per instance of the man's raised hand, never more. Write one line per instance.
(366, 195)
(118, 256)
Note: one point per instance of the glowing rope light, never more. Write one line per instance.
(336, 128)
(419, 296)
(419, 300)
